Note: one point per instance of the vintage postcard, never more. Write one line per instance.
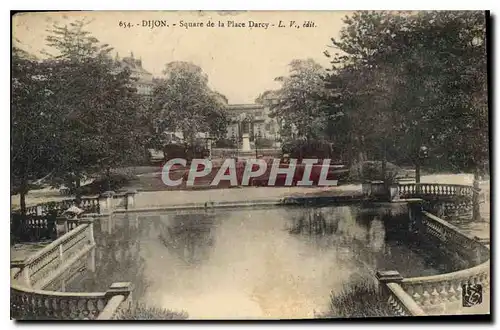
(273, 165)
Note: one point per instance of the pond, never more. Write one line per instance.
(258, 263)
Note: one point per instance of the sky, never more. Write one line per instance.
(241, 62)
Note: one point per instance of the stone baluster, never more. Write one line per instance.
(426, 296)
(435, 298)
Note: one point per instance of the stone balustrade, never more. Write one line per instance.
(42, 267)
(29, 278)
(400, 302)
(418, 190)
(32, 304)
(111, 202)
(104, 204)
(88, 204)
(440, 294)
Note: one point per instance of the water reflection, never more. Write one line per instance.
(190, 237)
(262, 263)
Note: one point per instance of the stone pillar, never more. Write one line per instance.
(106, 202)
(130, 199)
(394, 192)
(246, 142)
(61, 226)
(367, 189)
(387, 276)
(118, 297)
(121, 288)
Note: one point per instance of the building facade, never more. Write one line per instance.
(143, 80)
(252, 119)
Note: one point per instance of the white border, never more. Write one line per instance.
(193, 5)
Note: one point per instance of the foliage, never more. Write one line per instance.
(75, 113)
(361, 299)
(300, 149)
(298, 103)
(111, 182)
(33, 141)
(184, 102)
(225, 143)
(372, 171)
(99, 107)
(142, 312)
(404, 80)
(264, 143)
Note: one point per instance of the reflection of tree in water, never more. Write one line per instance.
(117, 257)
(355, 235)
(190, 237)
(312, 221)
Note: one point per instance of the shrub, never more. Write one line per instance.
(225, 143)
(300, 149)
(264, 143)
(372, 171)
(142, 312)
(103, 183)
(362, 299)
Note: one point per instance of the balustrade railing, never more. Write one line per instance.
(442, 294)
(417, 190)
(45, 265)
(29, 300)
(31, 304)
(33, 228)
(88, 204)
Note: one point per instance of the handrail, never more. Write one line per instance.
(460, 274)
(86, 305)
(449, 226)
(48, 248)
(35, 302)
(405, 305)
(436, 294)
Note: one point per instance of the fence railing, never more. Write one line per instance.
(88, 204)
(32, 304)
(442, 294)
(42, 222)
(417, 190)
(32, 228)
(30, 301)
(42, 267)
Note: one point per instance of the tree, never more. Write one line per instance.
(33, 146)
(298, 103)
(184, 102)
(428, 77)
(96, 103)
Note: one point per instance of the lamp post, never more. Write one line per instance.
(256, 138)
(423, 153)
